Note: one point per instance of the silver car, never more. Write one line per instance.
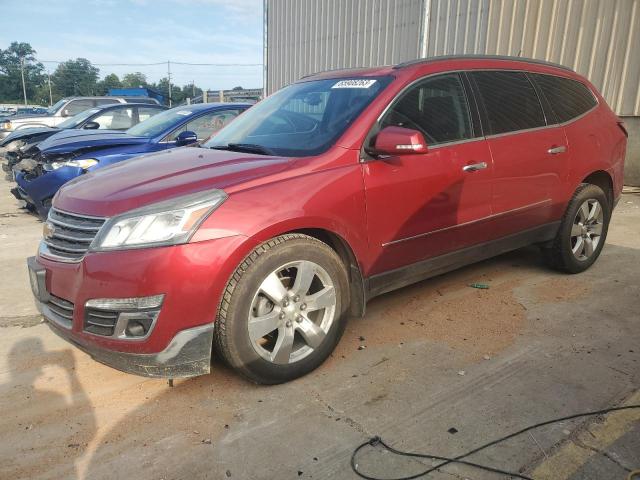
(59, 112)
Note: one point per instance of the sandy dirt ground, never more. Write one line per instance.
(535, 345)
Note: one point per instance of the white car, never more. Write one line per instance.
(61, 110)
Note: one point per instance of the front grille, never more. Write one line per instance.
(100, 322)
(61, 310)
(72, 234)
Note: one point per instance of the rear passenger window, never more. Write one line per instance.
(436, 106)
(510, 101)
(76, 106)
(568, 98)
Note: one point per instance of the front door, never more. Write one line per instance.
(424, 205)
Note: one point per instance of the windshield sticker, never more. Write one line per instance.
(354, 84)
(183, 112)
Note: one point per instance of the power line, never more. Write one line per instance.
(161, 63)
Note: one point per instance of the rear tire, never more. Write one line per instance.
(283, 310)
(583, 231)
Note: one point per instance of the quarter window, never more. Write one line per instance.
(510, 101)
(568, 98)
(436, 106)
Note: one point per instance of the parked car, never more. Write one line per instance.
(61, 110)
(338, 188)
(32, 110)
(71, 153)
(119, 116)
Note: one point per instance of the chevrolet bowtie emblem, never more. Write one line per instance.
(48, 229)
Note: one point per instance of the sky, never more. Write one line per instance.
(145, 31)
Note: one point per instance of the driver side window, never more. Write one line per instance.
(435, 106)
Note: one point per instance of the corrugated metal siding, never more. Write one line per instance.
(308, 36)
(598, 38)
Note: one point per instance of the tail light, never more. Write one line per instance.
(624, 130)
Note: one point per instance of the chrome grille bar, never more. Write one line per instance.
(71, 235)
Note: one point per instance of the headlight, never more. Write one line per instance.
(171, 222)
(83, 164)
(5, 124)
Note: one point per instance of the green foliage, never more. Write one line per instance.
(11, 60)
(75, 77)
(134, 80)
(70, 78)
(108, 82)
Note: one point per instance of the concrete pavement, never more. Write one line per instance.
(536, 345)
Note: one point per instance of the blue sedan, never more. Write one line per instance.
(70, 153)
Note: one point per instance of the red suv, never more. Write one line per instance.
(340, 187)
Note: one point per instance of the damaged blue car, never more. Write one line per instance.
(71, 153)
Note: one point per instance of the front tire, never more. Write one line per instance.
(283, 310)
(582, 232)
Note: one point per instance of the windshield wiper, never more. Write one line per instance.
(245, 147)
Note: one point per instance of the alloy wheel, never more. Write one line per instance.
(292, 312)
(586, 230)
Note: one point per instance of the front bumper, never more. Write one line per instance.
(191, 277)
(40, 190)
(188, 353)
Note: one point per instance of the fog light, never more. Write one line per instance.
(135, 329)
(131, 303)
(124, 318)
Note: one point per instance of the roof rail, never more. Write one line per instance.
(340, 70)
(420, 61)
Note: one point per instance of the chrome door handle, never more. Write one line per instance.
(556, 150)
(474, 167)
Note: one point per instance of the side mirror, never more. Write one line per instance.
(185, 138)
(66, 113)
(399, 141)
(91, 126)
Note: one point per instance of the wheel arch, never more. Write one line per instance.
(357, 292)
(603, 180)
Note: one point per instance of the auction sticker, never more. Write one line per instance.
(354, 84)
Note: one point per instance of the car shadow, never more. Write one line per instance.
(62, 442)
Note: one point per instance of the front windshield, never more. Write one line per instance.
(302, 119)
(76, 120)
(161, 122)
(55, 107)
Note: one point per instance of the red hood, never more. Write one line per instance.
(141, 181)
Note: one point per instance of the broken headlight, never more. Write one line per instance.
(171, 222)
(84, 164)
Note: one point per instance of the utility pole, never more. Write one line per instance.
(24, 87)
(169, 79)
(50, 95)
(193, 88)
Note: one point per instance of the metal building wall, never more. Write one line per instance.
(308, 36)
(597, 38)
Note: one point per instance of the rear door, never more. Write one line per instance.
(530, 158)
(423, 205)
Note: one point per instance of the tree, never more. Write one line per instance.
(11, 60)
(75, 77)
(134, 80)
(107, 83)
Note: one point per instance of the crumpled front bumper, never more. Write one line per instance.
(40, 190)
(188, 354)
